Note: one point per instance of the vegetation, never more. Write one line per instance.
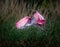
(12, 10)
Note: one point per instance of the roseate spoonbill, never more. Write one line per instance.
(27, 21)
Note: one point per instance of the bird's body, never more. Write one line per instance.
(27, 21)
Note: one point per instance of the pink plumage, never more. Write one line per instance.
(22, 22)
(39, 19)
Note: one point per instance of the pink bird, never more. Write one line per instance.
(27, 21)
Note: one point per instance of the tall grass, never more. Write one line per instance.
(13, 10)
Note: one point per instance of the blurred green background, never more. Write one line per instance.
(13, 10)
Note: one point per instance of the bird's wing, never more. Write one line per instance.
(22, 22)
(39, 19)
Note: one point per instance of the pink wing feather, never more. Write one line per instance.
(22, 22)
(39, 19)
